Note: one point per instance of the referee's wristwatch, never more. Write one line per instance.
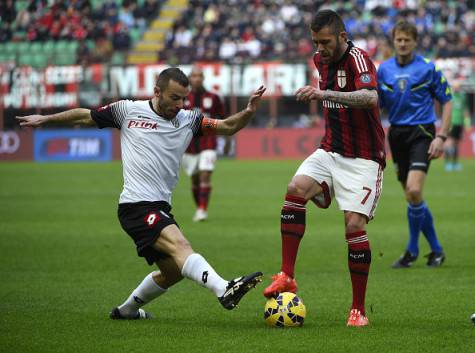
(442, 137)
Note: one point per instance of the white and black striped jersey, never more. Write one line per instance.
(152, 147)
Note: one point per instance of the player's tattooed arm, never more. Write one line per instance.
(236, 122)
(363, 98)
(77, 116)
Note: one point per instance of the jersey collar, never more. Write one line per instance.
(343, 57)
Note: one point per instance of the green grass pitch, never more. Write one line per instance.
(65, 262)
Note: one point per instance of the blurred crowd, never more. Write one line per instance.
(245, 30)
(104, 22)
(239, 31)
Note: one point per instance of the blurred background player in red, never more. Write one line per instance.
(200, 157)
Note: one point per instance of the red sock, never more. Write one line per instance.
(359, 260)
(204, 193)
(292, 228)
(196, 194)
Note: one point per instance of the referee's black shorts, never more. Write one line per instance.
(409, 148)
(143, 222)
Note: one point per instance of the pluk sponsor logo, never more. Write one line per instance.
(142, 124)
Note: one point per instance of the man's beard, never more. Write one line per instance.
(163, 110)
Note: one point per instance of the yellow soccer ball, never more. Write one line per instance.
(287, 310)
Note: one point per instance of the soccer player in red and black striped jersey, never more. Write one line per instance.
(349, 163)
(200, 157)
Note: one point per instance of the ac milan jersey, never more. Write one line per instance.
(152, 146)
(351, 132)
(211, 106)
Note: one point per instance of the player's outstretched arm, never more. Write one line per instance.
(236, 122)
(363, 98)
(77, 116)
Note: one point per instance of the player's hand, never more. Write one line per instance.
(307, 93)
(31, 120)
(255, 99)
(436, 148)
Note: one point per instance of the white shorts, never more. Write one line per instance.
(203, 161)
(356, 183)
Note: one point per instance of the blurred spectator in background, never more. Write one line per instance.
(108, 23)
(239, 31)
(7, 11)
(460, 118)
(272, 30)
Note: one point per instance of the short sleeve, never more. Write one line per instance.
(380, 82)
(196, 118)
(111, 115)
(440, 88)
(364, 72)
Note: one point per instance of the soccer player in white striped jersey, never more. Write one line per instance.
(154, 135)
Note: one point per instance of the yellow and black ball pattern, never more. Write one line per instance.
(287, 310)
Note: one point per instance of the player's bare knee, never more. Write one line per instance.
(295, 190)
(355, 222)
(355, 226)
(413, 194)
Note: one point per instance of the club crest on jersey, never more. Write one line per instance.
(365, 78)
(341, 78)
(207, 102)
(402, 84)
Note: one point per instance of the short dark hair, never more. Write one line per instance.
(406, 27)
(328, 18)
(172, 73)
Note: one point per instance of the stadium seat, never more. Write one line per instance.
(90, 44)
(40, 60)
(21, 5)
(23, 48)
(135, 35)
(25, 59)
(6, 58)
(65, 59)
(61, 46)
(36, 47)
(118, 58)
(10, 48)
(49, 47)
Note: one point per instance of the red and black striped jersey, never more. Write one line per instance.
(351, 132)
(210, 105)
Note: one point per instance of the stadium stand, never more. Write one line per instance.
(207, 30)
(66, 32)
(38, 33)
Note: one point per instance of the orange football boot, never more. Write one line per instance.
(281, 282)
(357, 319)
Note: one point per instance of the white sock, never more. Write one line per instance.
(144, 293)
(199, 270)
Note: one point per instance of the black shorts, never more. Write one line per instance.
(143, 222)
(409, 146)
(456, 132)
